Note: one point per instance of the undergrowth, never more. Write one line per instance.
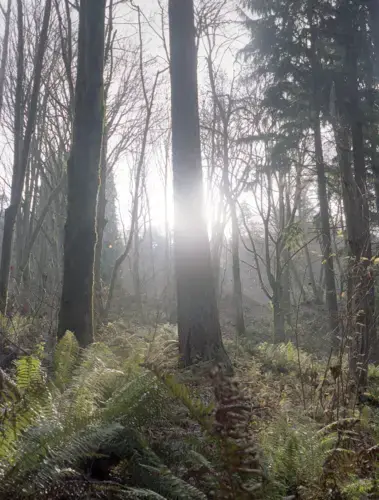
(119, 420)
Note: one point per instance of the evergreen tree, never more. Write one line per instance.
(286, 47)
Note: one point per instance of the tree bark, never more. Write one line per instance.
(373, 8)
(76, 312)
(198, 320)
(363, 297)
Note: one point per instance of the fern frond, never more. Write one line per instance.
(139, 494)
(65, 358)
(172, 487)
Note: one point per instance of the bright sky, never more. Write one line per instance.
(127, 27)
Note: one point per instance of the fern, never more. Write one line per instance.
(25, 401)
(294, 455)
(138, 493)
(95, 403)
(65, 358)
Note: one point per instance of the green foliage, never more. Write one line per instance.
(282, 357)
(293, 236)
(65, 357)
(98, 406)
(294, 455)
(152, 436)
(28, 372)
(359, 489)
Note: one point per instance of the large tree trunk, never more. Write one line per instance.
(364, 286)
(22, 146)
(198, 320)
(373, 7)
(330, 284)
(360, 284)
(76, 312)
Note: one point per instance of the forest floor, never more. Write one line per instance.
(120, 420)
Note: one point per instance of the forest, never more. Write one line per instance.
(189, 234)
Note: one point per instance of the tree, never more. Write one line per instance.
(349, 124)
(276, 197)
(76, 312)
(373, 8)
(21, 142)
(4, 53)
(226, 102)
(142, 141)
(198, 321)
(316, 71)
(284, 46)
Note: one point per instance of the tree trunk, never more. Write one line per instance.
(21, 149)
(286, 258)
(216, 246)
(373, 129)
(46, 207)
(373, 7)
(168, 294)
(316, 290)
(101, 223)
(330, 284)
(279, 318)
(328, 261)
(4, 54)
(133, 225)
(303, 296)
(198, 320)
(237, 284)
(363, 298)
(136, 267)
(76, 312)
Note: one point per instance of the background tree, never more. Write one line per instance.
(22, 142)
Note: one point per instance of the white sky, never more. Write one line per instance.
(127, 27)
